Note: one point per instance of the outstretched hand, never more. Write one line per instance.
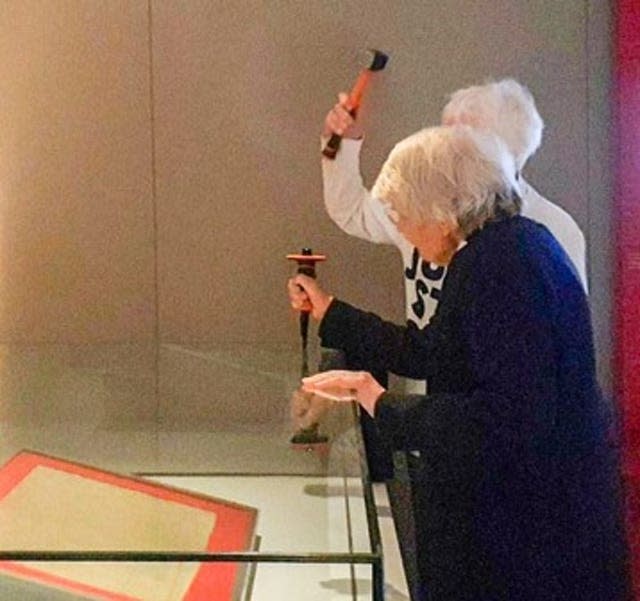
(344, 385)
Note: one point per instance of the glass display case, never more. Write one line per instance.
(167, 472)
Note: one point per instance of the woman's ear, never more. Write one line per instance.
(447, 227)
(450, 230)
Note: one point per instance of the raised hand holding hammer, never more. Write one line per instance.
(340, 121)
(376, 61)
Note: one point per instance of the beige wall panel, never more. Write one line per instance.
(238, 107)
(76, 221)
(600, 180)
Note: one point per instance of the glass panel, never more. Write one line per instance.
(296, 514)
(135, 448)
(174, 409)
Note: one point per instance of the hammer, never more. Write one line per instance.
(376, 62)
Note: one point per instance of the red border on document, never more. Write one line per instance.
(233, 530)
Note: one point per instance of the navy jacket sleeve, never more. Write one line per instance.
(377, 344)
(510, 346)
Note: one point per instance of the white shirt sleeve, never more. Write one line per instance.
(560, 224)
(348, 202)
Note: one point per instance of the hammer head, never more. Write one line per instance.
(377, 60)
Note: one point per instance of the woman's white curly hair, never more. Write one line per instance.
(505, 108)
(456, 174)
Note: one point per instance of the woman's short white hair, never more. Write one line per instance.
(454, 174)
(506, 108)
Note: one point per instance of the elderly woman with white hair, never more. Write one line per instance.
(517, 493)
(505, 108)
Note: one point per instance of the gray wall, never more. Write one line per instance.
(159, 159)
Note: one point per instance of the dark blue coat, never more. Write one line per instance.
(517, 495)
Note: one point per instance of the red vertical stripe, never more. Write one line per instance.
(628, 219)
(627, 277)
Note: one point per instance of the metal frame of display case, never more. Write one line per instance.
(374, 558)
